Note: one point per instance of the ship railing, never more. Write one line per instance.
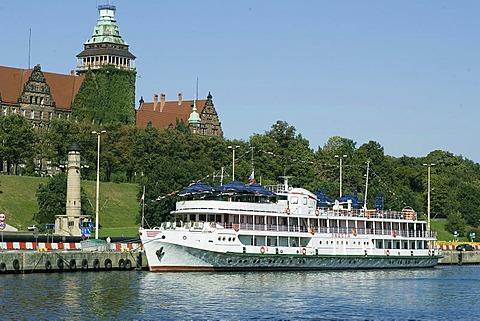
(368, 214)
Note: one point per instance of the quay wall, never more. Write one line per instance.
(460, 257)
(26, 261)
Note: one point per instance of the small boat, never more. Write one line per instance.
(239, 227)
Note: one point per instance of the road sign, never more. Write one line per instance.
(86, 230)
(3, 225)
(3, 216)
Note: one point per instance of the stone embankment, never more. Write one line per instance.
(460, 257)
(30, 257)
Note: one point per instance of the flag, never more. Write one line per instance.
(252, 177)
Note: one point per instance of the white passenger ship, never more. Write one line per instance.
(243, 230)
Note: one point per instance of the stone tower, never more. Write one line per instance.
(106, 46)
(73, 223)
(74, 204)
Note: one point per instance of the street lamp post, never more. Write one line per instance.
(341, 157)
(428, 194)
(233, 160)
(98, 179)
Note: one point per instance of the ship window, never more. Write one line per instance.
(294, 200)
(304, 201)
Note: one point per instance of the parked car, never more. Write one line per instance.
(32, 228)
(465, 247)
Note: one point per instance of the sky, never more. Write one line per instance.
(405, 74)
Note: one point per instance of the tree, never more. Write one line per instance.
(18, 139)
(455, 222)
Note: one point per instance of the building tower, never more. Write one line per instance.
(106, 46)
(194, 120)
(73, 223)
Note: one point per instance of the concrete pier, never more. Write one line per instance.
(27, 261)
(460, 257)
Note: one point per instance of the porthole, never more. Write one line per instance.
(229, 239)
(219, 238)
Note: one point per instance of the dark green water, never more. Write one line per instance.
(443, 293)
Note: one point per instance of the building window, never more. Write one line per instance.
(32, 114)
(4, 111)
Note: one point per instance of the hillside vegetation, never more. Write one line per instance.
(118, 203)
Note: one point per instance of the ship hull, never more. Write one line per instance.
(168, 257)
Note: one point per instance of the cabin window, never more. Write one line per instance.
(294, 200)
(202, 217)
(304, 201)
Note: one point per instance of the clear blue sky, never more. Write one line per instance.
(403, 73)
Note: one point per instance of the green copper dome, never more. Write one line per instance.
(106, 29)
(194, 116)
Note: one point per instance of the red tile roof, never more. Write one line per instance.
(62, 87)
(171, 111)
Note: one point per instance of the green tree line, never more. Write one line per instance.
(166, 161)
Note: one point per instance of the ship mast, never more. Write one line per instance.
(366, 188)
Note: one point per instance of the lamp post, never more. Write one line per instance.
(98, 179)
(428, 194)
(341, 157)
(233, 160)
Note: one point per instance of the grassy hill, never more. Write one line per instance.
(118, 204)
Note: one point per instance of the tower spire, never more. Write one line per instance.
(194, 120)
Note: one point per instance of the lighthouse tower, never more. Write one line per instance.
(74, 203)
(73, 223)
